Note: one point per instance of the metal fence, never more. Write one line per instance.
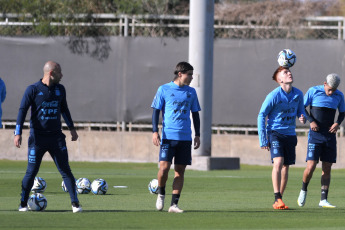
(132, 127)
(165, 26)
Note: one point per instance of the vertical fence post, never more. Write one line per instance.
(126, 26)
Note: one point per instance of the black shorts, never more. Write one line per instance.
(322, 147)
(283, 146)
(181, 151)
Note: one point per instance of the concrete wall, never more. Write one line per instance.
(138, 147)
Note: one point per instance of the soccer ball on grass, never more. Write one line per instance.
(37, 202)
(99, 187)
(83, 185)
(153, 186)
(39, 186)
(286, 58)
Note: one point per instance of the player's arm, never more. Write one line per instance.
(3, 93)
(334, 128)
(67, 116)
(307, 103)
(264, 111)
(301, 110)
(196, 122)
(155, 135)
(23, 109)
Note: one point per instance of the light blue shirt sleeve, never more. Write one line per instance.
(264, 111)
(195, 104)
(301, 107)
(158, 100)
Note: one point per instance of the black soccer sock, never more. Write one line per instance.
(23, 204)
(175, 198)
(305, 186)
(161, 190)
(324, 194)
(277, 196)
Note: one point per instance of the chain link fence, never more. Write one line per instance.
(164, 26)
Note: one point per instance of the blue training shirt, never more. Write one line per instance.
(47, 106)
(281, 110)
(322, 107)
(176, 103)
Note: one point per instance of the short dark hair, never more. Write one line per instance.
(278, 70)
(182, 67)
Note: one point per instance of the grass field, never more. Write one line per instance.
(239, 199)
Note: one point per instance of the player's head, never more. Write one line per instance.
(331, 84)
(183, 73)
(282, 75)
(182, 67)
(52, 70)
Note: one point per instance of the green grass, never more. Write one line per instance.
(220, 199)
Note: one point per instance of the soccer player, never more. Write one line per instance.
(281, 107)
(175, 99)
(323, 101)
(47, 99)
(2, 97)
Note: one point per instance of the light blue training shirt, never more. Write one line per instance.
(176, 103)
(317, 97)
(281, 110)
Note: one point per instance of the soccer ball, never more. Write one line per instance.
(83, 186)
(39, 186)
(37, 202)
(99, 186)
(286, 58)
(63, 186)
(153, 186)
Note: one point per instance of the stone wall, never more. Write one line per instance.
(137, 147)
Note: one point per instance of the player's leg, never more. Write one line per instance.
(35, 155)
(325, 182)
(177, 188)
(328, 157)
(284, 178)
(59, 153)
(277, 151)
(183, 157)
(307, 175)
(166, 153)
(162, 175)
(278, 163)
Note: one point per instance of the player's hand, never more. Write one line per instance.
(156, 139)
(334, 128)
(74, 135)
(266, 147)
(302, 119)
(314, 126)
(196, 142)
(17, 140)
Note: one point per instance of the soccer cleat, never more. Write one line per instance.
(76, 207)
(325, 204)
(160, 202)
(174, 208)
(279, 204)
(302, 198)
(23, 209)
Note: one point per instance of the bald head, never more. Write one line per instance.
(52, 73)
(50, 66)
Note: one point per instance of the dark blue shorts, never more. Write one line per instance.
(283, 146)
(322, 147)
(181, 151)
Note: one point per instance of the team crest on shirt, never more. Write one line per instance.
(57, 92)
